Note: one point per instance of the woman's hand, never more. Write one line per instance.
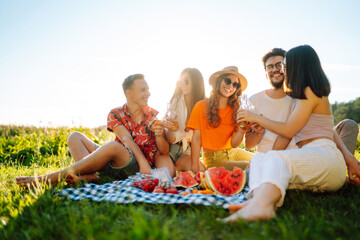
(169, 124)
(247, 116)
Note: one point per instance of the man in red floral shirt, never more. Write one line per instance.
(135, 147)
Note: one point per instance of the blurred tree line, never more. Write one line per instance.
(350, 110)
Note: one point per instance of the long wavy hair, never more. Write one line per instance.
(197, 89)
(212, 106)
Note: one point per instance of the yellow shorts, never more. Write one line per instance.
(228, 158)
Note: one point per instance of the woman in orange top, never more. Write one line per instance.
(213, 122)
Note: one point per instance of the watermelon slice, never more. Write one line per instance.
(225, 182)
(185, 180)
(203, 181)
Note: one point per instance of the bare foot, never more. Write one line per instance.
(26, 182)
(236, 207)
(252, 211)
(72, 178)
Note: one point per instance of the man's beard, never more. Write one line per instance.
(277, 85)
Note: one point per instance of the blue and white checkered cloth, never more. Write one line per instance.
(122, 192)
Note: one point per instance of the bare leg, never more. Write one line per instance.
(260, 207)
(112, 152)
(165, 161)
(80, 146)
(183, 163)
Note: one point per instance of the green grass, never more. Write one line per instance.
(40, 214)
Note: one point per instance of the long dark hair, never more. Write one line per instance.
(212, 106)
(197, 89)
(303, 69)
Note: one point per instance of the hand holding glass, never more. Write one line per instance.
(247, 105)
(170, 120)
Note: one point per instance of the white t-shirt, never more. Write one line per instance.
(276, 110)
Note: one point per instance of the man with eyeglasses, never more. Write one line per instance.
(272, 103)
(276, 105)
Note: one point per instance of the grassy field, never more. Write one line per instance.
(40, 214)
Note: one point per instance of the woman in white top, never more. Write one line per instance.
(189, 90)
(317, 165)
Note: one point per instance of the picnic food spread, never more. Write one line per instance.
(215, 180)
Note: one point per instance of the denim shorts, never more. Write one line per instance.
(121, 173)
(176, 151)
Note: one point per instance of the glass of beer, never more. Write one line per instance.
(155, 122)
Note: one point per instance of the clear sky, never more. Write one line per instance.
(63, 62)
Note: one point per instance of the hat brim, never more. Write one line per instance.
(243, 81)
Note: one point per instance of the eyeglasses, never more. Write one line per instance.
(185, 82)
(270, 67)
(234, 84)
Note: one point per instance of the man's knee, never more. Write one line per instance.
(115, 148)
(347, 125)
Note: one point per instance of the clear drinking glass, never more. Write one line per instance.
(245, 104)
(171, 116)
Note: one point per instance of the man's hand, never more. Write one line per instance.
(158, 130)
(257, 128)
(145, 169)
(353, 166)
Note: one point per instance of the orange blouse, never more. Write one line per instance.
(218, 138)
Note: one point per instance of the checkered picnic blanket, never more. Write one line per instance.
(122, 192)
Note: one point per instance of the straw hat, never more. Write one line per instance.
(230, 70)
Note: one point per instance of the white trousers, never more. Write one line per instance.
(317, 166)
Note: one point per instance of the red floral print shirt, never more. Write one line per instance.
(140, 132)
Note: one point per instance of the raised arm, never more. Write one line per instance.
(297, 120)
(123, 134)
(161, 142)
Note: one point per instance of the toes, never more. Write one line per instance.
(232, 218)
(235, 207)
